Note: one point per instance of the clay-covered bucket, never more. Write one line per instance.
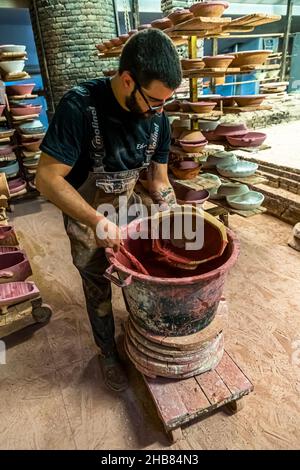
(169, 301)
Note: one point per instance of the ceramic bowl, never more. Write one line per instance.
(116, 42)
(22, 89)
(241, 169)
(190, 137)
(186, 170)
(209, 9)
(190, 196)
(12, 66)
(32, 146)
(178, 16)
(218, 61)
(224, 158)
(132, 32)
(6, 149)
(101, 47)
(2, 108)
(12, 48)
(32, 127)
(162, 23)
(174, 106)
(16, 185)
(251, 139)
(250, 58)
(190, 64)
(207, 125)
(10, 169)
(231, 130)
(124, 38)
(249, 100)
(231, 188)
(185, 106)
(26, 110)
(248, 201)
(203, 107)
(144, 26)
(211, 136)
(108, 44)
(196, 147)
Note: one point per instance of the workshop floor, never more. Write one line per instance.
(52, 395)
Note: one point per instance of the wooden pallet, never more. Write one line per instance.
(178, 402)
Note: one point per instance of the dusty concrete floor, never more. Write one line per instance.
(52, 396)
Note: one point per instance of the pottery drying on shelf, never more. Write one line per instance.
(162, 23)
(176, 252)
(12, 48)
(185, 195)
(8, 236)
(249, 100)
(185, 170)
(203, 107)
(231, 188)
(251, 139)
(193, 147)
(2, 108)
(5, 132)
(26, 110)
(132, 32)
(16, 185)
(246, 202)
(144, 26)
(101, 47)
(218, 61)
(10, 169)
(209, 9)
(224, 130)
(180, 15)
(212, 137)
(241, 169)
(13, 293)
(14, 267)
(116, 42)
(12, 66)
(32, 146)
(208, 125)
(32, 127)
(107, 44)
(172, 107)
(6, 149)
(124, 38)
(217, 158)
(190, 64)
(250, 58)
(22, 89)
(185, 106)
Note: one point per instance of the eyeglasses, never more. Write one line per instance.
(152, 109)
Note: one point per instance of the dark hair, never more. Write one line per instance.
(150, 55)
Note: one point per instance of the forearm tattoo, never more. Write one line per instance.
(164, 196)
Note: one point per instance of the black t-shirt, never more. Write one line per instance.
(126, 137)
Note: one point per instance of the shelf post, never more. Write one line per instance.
(285, 47)
(193, 81)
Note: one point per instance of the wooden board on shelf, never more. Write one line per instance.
(27, 154)
(192, 115)
(10, 77)
(177, 151)
(29, 117)
(198, 183)
(22, 97)
(199, 23)
(13, 55)
(255, 19)
(245, 109)
(222, 203)
(7, 133)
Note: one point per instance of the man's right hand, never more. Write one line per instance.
(107, 234)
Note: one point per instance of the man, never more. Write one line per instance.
(103, 133)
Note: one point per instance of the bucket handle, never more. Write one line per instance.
(109, 275)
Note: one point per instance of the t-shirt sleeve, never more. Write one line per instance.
(65, 135)
(162, 152)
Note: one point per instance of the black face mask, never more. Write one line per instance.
(133, 106)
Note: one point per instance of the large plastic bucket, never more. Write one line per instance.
(170, 302)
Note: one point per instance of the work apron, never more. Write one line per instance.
(101, 188)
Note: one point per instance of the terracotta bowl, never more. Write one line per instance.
(178, 16)
(211, 136)
(210, 9)
(251, 139)
(186, 170)
(196, 147)
(101, 47)
(116, 42)
(32, 146)
(22, 89)
(144, 26)
(26, 111)
(16, 292)
(124, 38)
(173, 251)
(250, 58)
(189, 64)
(162, 23)
(203, 107)
(172, 106)
(190, 196)
(6, 149)
(218, 61)
(107, 44)
(189, 137)
(231, 130)
(2, 108)
(185, 106)
(249, 100)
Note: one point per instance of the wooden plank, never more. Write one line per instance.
(22, 97)
(167, 400)
(198, 24)
(245, 109)
(191, 395)
(232, 375)
(29, 117)
(213, 387)
(230, 210)
(195, 115)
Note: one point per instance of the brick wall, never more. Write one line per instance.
(67, 31)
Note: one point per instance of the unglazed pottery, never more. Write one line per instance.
(251, 139)
(248, 201)
(241, 169)
(209, 9)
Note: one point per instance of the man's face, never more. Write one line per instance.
(142, 99)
